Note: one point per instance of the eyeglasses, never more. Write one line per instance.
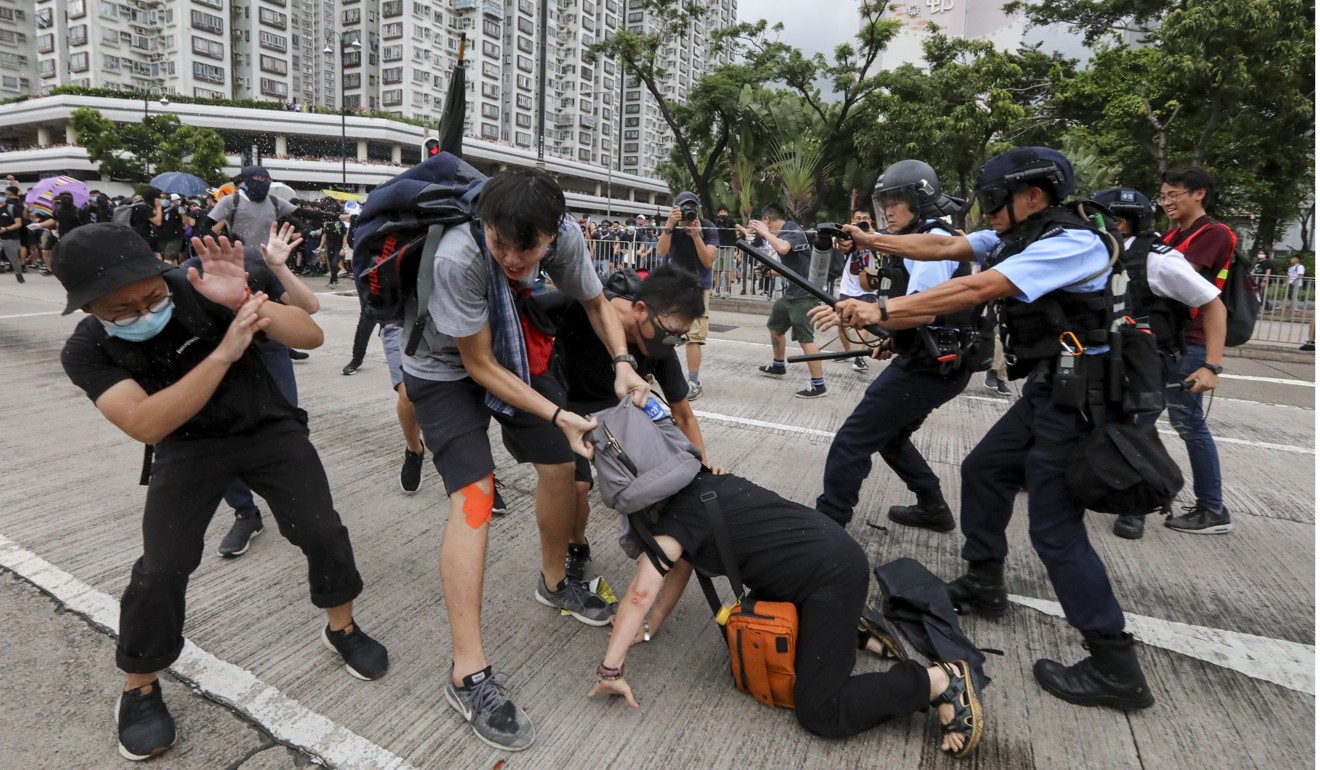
(127, 319)
(670, 337)
(1171, 197)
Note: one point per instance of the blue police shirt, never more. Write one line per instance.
(927, 275)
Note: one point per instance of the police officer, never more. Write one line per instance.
(908, 198)
(1048, 267)
(1162, 287)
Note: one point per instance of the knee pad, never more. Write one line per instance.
(477, 503)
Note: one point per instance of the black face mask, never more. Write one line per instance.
(662, 341)
(257, 190)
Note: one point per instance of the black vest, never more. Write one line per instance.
(1168, 318)
(1030, 331)
(910, 342)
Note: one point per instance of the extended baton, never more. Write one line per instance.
(831, 356)
(799, 281)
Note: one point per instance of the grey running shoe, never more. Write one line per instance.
(577, 599)
(146, 728)
(240, 536)
(695, 391)
(1201, 521)
(485, 703)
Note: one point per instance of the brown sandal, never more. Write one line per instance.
(961, 694)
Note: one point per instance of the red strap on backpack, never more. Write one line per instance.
(1221, 276)
(539, 344)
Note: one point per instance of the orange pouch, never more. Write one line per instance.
(762, 649)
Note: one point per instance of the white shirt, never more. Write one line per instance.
(1296, 273)
(1171, 276)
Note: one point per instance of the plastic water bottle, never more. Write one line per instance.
(655, 409)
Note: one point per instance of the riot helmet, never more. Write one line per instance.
(1003, 174)
(919, 185)
(1130, 204)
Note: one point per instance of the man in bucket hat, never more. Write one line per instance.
(166, 357)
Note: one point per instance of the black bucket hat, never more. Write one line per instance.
(96, 259)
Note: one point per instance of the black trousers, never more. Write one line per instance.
(362, 335)
(996, 469)
(893, 408)
(187, 482)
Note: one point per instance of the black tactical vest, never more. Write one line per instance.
(1168, 318)
(911, 342)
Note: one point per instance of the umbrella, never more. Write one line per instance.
(343, 196)
(283, 190)
(179, 182)
(42, 195)
(451, 122)
(223, 190)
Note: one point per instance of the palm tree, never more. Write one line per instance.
(796, 163)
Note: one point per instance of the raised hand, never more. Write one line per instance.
(239, 334)
(223, 280)
(281, 243)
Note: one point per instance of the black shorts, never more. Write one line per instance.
(454, 419)
(581, 465)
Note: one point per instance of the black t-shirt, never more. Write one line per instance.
(728, 235)
(140, 220)
(171, 225)
(10, 212)
(245, 400)
(260, 278)
(783, 548)
(582, 362)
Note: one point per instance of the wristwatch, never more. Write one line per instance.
(1216, 368)
(882, 301)
(623, 359)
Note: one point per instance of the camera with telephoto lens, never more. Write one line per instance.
(689, 212)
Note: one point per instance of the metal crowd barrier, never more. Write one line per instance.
(734, 276)
(1287, 312)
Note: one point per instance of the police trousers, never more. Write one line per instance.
(1007, 458)
(893, 408)
(188, 479)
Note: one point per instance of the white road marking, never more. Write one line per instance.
(1287, 664)
(747, 422)
(29, 315)
(284, 718)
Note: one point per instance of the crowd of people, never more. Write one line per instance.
(195, 361)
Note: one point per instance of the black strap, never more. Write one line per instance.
(649, 545)
(147, 451)
(710, 503)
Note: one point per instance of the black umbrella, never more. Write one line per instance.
(451, 122)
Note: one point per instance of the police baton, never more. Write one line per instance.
(801, 283)
(832, 356)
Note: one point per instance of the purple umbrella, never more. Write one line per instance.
(42, 195)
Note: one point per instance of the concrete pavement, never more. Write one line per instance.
(1228, 622)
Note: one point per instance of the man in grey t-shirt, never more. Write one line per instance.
(790, 311)
(251, 211)
(485, 353)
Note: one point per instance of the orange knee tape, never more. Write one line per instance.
(478, 504)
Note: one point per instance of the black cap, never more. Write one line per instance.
(96, 259)
(686, 197)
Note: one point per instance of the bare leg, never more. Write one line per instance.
(813, 367)
(778, 344)
(581, 489)
(462, 571)
(555, 511)
(412, 432)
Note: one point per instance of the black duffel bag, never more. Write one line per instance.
(1123, 468)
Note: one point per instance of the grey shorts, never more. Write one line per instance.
(454, 419)
(391, 338)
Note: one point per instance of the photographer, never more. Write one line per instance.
(907, 197)
(691, 243)
(1049, 269)
(855, 262)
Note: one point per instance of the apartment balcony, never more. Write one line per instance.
(465, 5)
(493, 9)
(564, 119)
(587, 121)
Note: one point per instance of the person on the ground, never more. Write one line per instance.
(248, 214)
(789, 553)
(692, 243)
(909, 200)
(485, 354)
(267, 272)
(12, 224)
(1164, 290)
(165, 357)
(1049, 269)
(789, 243)
(654, 314)
(856, 262)
(1208, 245)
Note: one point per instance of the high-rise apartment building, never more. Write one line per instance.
(392, 56)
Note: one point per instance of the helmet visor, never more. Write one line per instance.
(993, 199)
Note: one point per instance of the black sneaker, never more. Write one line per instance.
(364, 657)
(485, 703)
(352, 368)
(576, 599)
(410, 477)
(1130, 527)
(811, 392)
(770, 370)
(146, 728)
(1003, 389)
(298, 355)
(859, 364)
(992, 381)
(1309, 345)
(240, 536)
(575, 564)
(497, 506)
(1201, 521)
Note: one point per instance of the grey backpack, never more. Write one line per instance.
(639, 462)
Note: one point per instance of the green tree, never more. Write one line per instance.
(128, 151)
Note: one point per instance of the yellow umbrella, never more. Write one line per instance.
(343, 196)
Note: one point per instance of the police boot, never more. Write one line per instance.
(1111, 676)
(981, 591)
(930, 512)
(1130, 527)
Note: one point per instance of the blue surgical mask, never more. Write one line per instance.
(143, 329)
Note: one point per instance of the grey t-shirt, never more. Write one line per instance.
(459, 305)
(253, 221)
(798, 259)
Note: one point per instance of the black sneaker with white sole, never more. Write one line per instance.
(240, 536)
(576, 599)
(770, 370)
(498, 506)
(364, 657)
(1201, 521)
(575, 565)
(485, 704)
(146, 728)
(410, 477)
(811, 392)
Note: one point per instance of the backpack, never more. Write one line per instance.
(1123, 468)
(123, 215)
(640, 462)
(1237, 290)
(395, 238)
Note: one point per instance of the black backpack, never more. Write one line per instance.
(1124, 469)
(395, 238)
(1237, 289)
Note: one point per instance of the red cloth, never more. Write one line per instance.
(1208, 245)
(539, 344)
